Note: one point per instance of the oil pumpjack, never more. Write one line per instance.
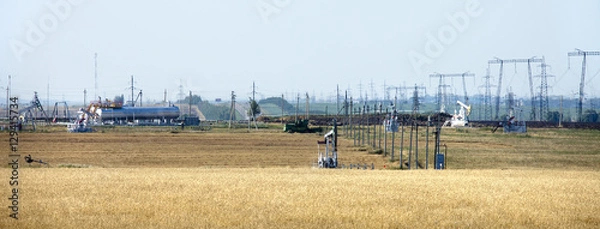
(460, 119)
(328, 158)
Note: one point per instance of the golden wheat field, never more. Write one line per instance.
(548, 178)
(305, 198)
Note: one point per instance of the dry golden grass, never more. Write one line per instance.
(565, 149)
(478, 148)
(305, 198)
(471, 148)
(187, 149)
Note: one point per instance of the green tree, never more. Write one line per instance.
(590, 116)
(196, 99)
(254, 109)
(553, 116)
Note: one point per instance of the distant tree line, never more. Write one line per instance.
(589, 115)
(196, 99)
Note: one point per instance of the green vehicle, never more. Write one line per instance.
(300, 126)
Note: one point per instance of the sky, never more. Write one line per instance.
(289, 47)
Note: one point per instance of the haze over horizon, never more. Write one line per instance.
(287, 47)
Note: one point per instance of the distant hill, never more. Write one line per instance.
(272, 106)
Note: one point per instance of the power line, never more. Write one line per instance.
(544, 106)
(487, 99)
(579, 52)
(441, 99)
(501, 62)
(133, 88)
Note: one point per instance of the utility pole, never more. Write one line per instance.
(368, 126)
(544, 106)
(579, 52)
(253, 90)
(48, 95)
(465, 88)
(373, 96)
(361, 129)
(350, 120)
(487, 99)
(337, 100)
(498, 90)
(560, 114)
(96, 75)
(386, 94)
(282, 104)
(416, 102)
(396, 101)
(232, 108)
(402, 91)
(132, 88)
(297, 107)
(307, 107)
(481, 102)
(141, 99)
(181, 93)
(251, 102)
(165, 97)
(84, 97)
(360, 93)
(346, 114)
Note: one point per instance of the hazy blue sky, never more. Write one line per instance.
(287, 46)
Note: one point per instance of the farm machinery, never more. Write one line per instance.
(328, 158)
(300, 126)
